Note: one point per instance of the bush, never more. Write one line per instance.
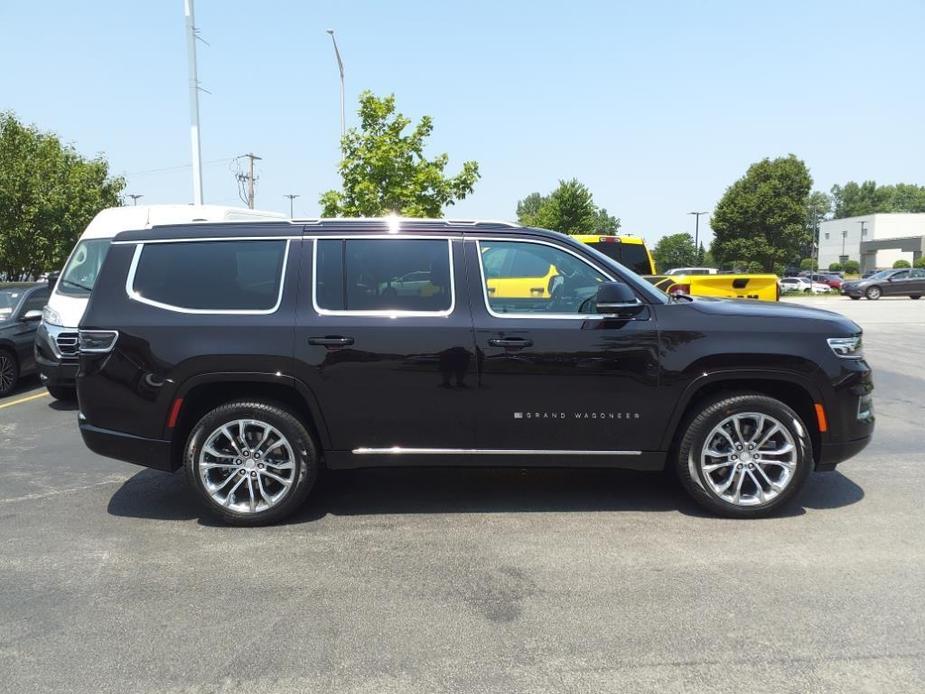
(836, 267)
(901, 264)
(920, 262)
(754, 268)
(806, 264)
(852, 267)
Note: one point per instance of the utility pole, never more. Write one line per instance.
(134, 197)
(697, 234)
(340, 67)
(248, 178)
(193, 100)
(291, 197)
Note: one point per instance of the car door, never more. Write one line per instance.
(554, 376)
(393, 371)
(897, 283)
(24, 338)
(916, 285)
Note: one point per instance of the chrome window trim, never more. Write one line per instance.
(382, 313)
(400, 450)
(135, 296)
(536, 316)
(194, 239)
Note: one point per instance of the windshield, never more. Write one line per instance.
(9, 299)
(882, 275)
(82, 267)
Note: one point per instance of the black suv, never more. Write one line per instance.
(254, 354)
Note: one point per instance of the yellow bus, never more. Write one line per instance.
(629, 251)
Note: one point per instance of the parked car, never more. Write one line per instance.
(56, 339)
(801, 284)
(20, 313)
(903, 282)
(832, 281)
(253, 354)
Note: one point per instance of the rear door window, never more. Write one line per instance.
(211, 276)
(383, 275)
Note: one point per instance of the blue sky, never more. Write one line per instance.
(657, 106)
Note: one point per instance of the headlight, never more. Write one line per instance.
(847, 347)
(50, 316)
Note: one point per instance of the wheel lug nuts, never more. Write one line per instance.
(751, 467)
(260, 465)
(240, 472)
(238, 461)
(244, 453)
(735, 457)
(253, 474)
(256, 455)
(739, 466)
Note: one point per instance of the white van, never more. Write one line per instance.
(56, 338)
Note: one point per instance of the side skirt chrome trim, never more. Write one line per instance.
(398, 450)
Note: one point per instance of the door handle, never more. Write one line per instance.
(331, 341)
(516, 342)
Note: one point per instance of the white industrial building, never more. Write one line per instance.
(874, 240)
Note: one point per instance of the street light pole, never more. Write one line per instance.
(697, 234)
(340, 68)
(291, 197)
(193, 100)
(134, 197)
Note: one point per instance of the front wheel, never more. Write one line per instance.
(745, 455)
(873, 293)
(9, 372)
(251, 462)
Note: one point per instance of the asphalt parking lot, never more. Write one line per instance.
(469, 581)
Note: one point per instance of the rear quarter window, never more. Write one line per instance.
(207, 276)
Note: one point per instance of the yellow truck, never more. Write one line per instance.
(726, 286)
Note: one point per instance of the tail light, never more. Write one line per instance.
(680, 289)
(97, 341)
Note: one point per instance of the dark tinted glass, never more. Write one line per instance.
(36, 301)
(631, 255)
(212, 275)
(383, 275)
(329, 277)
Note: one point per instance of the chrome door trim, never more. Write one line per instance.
(400, 450)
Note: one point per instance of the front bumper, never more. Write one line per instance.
(852, 291)
(834, 453)
(153, 453)
(55, 369)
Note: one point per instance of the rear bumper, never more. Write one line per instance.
(834, 453)
(153, 453)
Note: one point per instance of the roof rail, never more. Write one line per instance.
(413, 220)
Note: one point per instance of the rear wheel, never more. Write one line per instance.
(9, 372)
(915, 297)
(873, 293)
(251, 462)
(744, 456)
(62, 393)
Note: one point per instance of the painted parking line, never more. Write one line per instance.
(21, 400)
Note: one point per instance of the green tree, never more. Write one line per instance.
(384, 169)
(570, 208)
(852, 267)
(806, 264)
(762, 216)
(854, 199)
(901, 264)
(48, 194)
(920, 262)
(756, 268)
(836, 267)
(675, 250)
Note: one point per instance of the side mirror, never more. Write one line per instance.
(617, 298)
(32, 315)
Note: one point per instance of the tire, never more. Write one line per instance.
(9, 372)
(62, 393)
(251, 505)
(705, 485)
(873, 293)
(855, 298)
(915, 297)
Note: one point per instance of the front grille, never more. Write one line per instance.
(67, 345)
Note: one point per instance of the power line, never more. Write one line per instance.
(246, 181)
(179, 167)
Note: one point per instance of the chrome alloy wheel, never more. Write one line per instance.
(748, 459)
(7, 372)
(247, 466)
